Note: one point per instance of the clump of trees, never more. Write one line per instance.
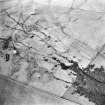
(90, 82)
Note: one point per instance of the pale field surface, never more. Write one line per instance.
(15, 93)
(76, 33)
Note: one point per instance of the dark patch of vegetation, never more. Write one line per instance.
(6, 43)
(63, 66)
(2, 100)
(7, 57)
(90, 83)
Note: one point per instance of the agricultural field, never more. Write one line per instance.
(49, 46)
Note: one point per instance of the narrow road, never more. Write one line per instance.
(97, 54)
